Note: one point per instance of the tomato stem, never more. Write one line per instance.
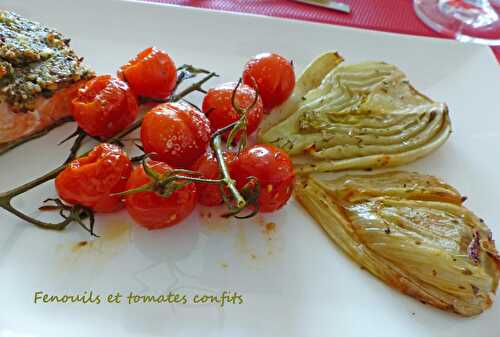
(170, 181)
(80, 136)
(194, 87)
(6, 201)
(241, 125)
(215, 144)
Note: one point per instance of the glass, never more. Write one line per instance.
(465, 20)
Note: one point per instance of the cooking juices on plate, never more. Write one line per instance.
(409, 230)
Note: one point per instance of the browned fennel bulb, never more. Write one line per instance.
(412, 232)
(358, 116)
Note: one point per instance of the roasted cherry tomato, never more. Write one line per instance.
(91, 180)
(152, 210)
(104, 106)
(273, 77)
(210, 194)
(217, 105)
(151, 73)
(274, 171)
(175, 133)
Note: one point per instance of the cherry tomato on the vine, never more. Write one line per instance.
(91, 180)
(210, 194)
(273, 77)
(217, 105)
(104, 106)
(151, 73)
(176, 133)
(153, 211)
(273, 169)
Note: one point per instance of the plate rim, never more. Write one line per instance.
(434, 39)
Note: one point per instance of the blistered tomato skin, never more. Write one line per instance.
(175, 133)
(273, 77)
(104, 106)
(153, 211)
(91, 180)
(274, 171)
(210, 194)
(217, 106)
(152, 73)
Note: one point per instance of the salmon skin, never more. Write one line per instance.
(39, 77)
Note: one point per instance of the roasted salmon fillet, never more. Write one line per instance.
(39, 76)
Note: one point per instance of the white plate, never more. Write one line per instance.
(298, 283)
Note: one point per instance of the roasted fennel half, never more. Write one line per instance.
(358, 116)
(412, 232)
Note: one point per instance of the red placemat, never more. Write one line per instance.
(384, 15)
